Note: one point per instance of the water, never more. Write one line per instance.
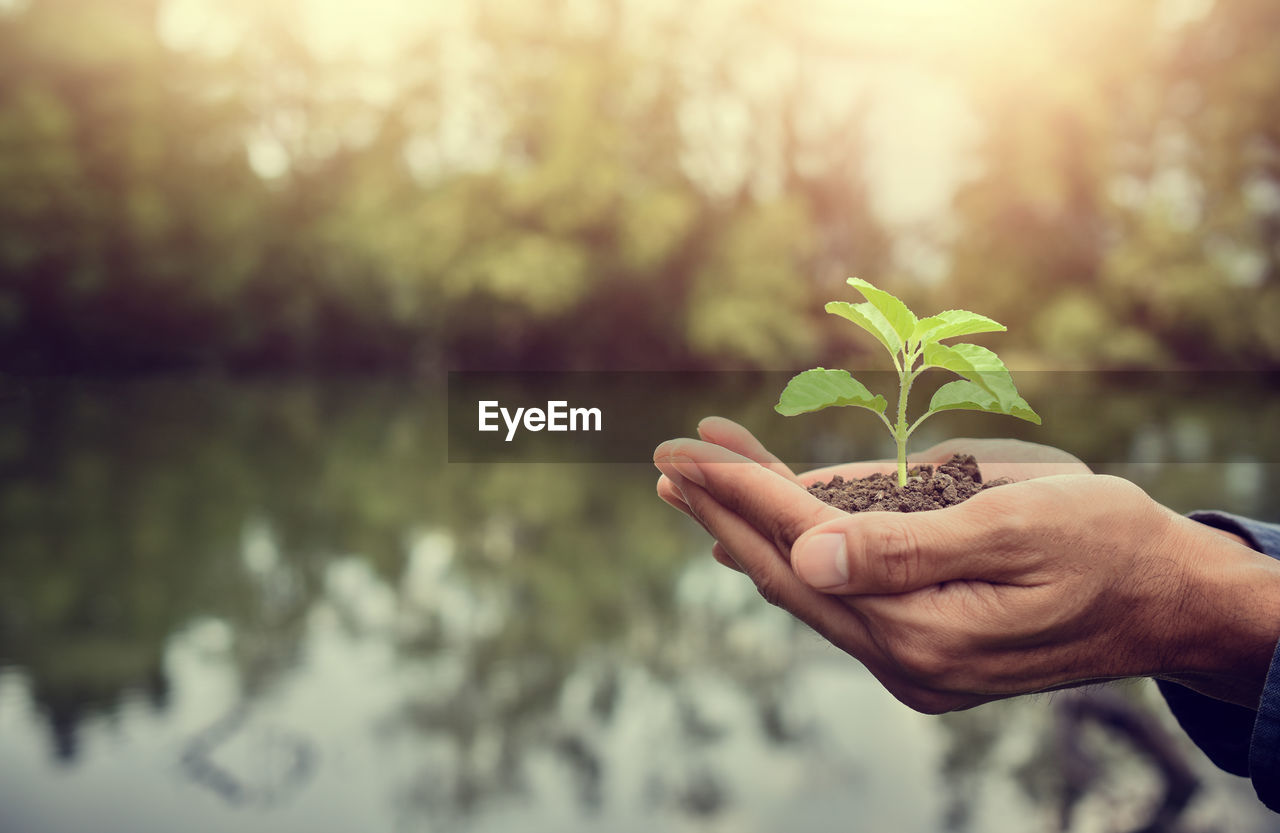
(274, 606)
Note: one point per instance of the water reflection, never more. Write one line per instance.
(273, 606)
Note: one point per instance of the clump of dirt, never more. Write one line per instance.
(953, 482)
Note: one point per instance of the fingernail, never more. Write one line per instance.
(667, 467)
(822, 561)
(689, 469)
(662, 451)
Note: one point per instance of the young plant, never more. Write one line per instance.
(916, 346)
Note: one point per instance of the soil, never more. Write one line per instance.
(953, 482)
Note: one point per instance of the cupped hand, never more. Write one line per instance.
(1049, 582)
(997, 458)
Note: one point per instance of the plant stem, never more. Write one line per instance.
(902, 461)
(901, 432)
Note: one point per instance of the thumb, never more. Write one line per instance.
(877, 553)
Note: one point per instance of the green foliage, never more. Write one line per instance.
(1126, 213)
(915, 346)
(563, 223)
(581, 197)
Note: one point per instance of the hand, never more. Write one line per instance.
(1042, 584)
(997, 458)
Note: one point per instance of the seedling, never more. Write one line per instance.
(916, 346)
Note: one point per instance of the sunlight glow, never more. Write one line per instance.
(371, 31)
(927, 21)
(905, 60)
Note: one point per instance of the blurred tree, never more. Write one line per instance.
(1126, 209)
(107, 165)
(550, 200)
(612, 184)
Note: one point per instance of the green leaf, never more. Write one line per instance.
(977, 364)
(901, 319)
(820, 388)
(868, 318)
(966, 395)
(951, 323)
(1020, 409)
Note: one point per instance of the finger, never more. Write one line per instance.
(849, 471)
(756, 556)
(776, 506)
(934, 456)
(892, 552)
(719, 553)
(1012, 459)
(672, 496)
(942, 452)
(997, 451)
(729, 434)
(837, 619)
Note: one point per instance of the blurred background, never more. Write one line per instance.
(625, 184)
(241, 241)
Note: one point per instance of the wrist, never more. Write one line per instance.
(1229, 615)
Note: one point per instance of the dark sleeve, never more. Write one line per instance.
(1239, 740)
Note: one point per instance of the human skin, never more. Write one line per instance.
(1059, 579)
